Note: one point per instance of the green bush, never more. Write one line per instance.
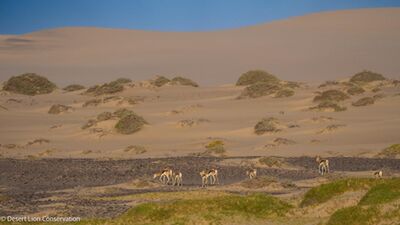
(328, 83)
(73, 87)
(92, 102)
(160, 81)
(104, 116)
(256, 76)
(331, 95)
(366, 76)
(259, 89)
(267, 125)
(183, 81)
(355, 90)
(284, 93)
(327, 105)
(122, 112)
(29, 84)
(130, 124)
(107, 88)
(123, 80)
(364, 102)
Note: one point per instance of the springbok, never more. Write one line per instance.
(177, 177)
(164, 176)
(323, 164)
(378, 174)
(252, 173)
(212, 174)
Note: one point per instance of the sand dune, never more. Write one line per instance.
(314, 47)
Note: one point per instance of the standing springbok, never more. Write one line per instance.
(378, 174)
(252, 173)
(212, 174)
(323, 165)
(177, 177)
(164, 176)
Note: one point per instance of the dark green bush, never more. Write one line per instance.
(130, 124)
(183, 81)
(364, 101)
(29, 84)
(331, 95)
(256, 76)
(366, 76)
(73, 87)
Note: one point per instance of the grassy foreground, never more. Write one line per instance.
(380, 205)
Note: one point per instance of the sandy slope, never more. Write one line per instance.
(307, 48)
(367, 129)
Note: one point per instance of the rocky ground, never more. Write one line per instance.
(37, 186)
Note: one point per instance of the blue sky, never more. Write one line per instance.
(23, 16)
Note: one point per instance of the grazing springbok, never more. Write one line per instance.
(204, 178)
(212, 174)
(378, 174)
(252, 173)
(323, 164)
(164, 176)
(177, 177)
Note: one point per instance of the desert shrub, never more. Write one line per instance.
(292, 84)
(267, 125)
(366, 76)
(258, 182)
(107, 88)
(74, 87)
(329, 106)
(259, 89)
(183, 81)
(215, 147)
(160, 81)
(123, 80)
(284, 93)
(271, 161)
(130, 124)
(256, 76)
(355, 90)
(122, 112)
(104, 116)
(29, 84)
(331, 95)
(328, 83)
(391, 151)
(57, 109)
(91, 102)
(364, 101)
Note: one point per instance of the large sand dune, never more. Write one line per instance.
(314, 47)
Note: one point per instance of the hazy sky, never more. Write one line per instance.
(22, 16)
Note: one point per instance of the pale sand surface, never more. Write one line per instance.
(366, 131)
(310, 48)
